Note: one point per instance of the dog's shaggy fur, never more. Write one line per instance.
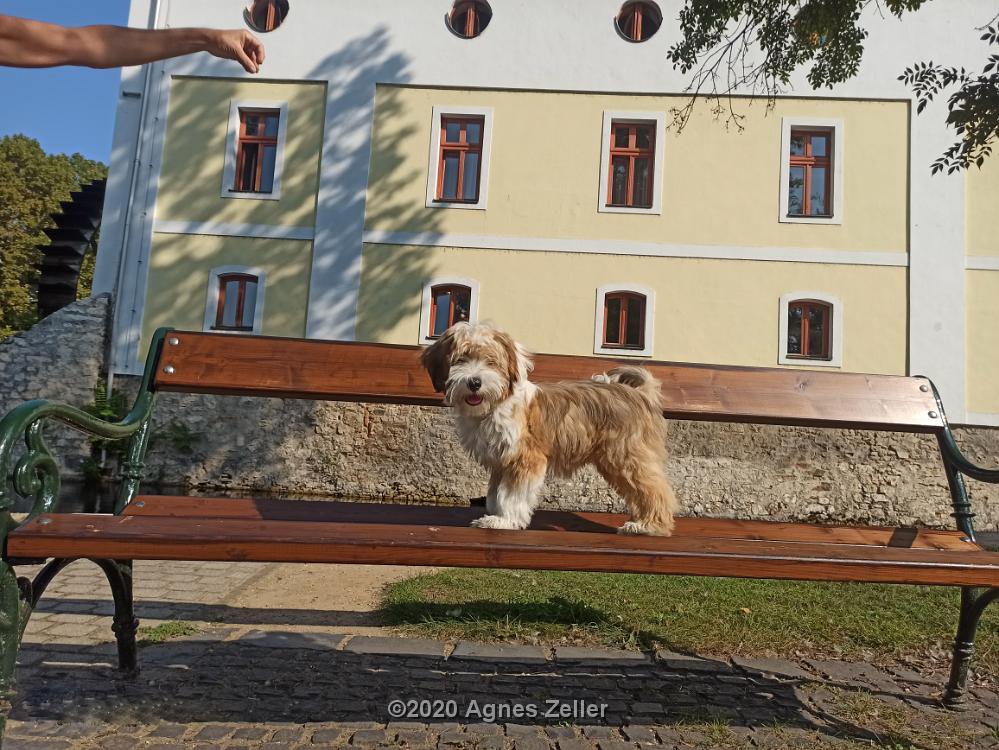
(520, 432)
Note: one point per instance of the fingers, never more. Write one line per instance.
(253, 47)
(249, 65)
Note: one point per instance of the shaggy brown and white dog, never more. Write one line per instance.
(520, 431)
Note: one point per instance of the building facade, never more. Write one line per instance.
(400, 166)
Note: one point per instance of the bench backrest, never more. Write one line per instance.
(229, 364)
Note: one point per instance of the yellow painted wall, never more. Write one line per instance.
(178, 280)
(981, 200)
(983, 341)
(190, 184)
(714, 311)
(721, 187)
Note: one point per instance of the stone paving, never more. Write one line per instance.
(251, 686)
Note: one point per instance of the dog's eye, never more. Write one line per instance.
(461, 360)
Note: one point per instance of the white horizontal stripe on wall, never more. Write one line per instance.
(613, 247)
(981, 419)
(982, 263)
(222, 229)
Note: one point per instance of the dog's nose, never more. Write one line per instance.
(474, 384)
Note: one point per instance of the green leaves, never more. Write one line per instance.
(972, 108)
(32, 183)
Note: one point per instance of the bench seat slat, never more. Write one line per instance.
(347, 512)
(164, 538)
(353, 371)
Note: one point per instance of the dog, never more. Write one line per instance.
(521, 432)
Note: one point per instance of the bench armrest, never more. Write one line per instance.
(35, 474)
(962, 463)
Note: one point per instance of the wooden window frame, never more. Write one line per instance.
(222, 280)
(632, 152)
(243, 140)
(624, 297)
(463, 147)
(638, 10)
(473, 8)
(808, 162)
(428, 304)
(827, 339)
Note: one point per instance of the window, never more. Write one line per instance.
(638, 21)
(810, 330)
(810, 177)
(811, 171)
(265, 15)
(460, 163)
(469, 18)
(624, 320)
(460, 140)
(447, 301)
(256, 153)
(255, 150)
(808, 326)
(631, 162)
(449, 304)
(632, 153)
(235, 299)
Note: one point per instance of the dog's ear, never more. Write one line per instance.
(514, 356)
(436, 359)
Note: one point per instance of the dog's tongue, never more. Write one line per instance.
(473, 400)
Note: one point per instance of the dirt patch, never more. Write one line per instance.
(335, 598)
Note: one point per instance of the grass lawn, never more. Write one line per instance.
(701, 615)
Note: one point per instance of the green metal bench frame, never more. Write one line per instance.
(33, 474)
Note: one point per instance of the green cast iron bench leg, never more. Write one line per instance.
(973, 604)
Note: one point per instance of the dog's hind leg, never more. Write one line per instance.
(516, 496)
(648, 494)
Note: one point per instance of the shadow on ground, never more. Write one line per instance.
(208, 679)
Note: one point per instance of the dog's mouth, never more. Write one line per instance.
(473, 399)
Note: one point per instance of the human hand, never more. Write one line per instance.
(237, 44)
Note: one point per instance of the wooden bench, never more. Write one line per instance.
(199, 528)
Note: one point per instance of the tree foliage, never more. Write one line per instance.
(32, 183)
(973, 108)
(754, 47)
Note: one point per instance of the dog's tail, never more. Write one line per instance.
(638, 378)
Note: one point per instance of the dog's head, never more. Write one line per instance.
(476, 366)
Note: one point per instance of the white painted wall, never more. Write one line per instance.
(567, 45)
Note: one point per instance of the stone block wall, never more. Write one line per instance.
(409, 454)
(60, 358)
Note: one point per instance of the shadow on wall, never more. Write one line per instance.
(304, 446)
(373, 166)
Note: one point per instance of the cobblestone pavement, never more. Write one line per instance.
(244, 685)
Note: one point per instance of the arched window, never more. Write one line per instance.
(265, 15)
(469, 18)
(624, 320)
(235, 299)
(638, 21)
(811, 330)
(447, 300)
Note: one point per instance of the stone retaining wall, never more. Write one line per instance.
(400, 453)
(60, 358)
(410, 453)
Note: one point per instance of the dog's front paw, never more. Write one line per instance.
(493, 522)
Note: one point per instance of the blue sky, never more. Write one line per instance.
(66, 109)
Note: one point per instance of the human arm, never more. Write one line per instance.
(35, 44)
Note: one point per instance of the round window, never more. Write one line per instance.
(265, 15)
(469, 18)
(638, 21)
